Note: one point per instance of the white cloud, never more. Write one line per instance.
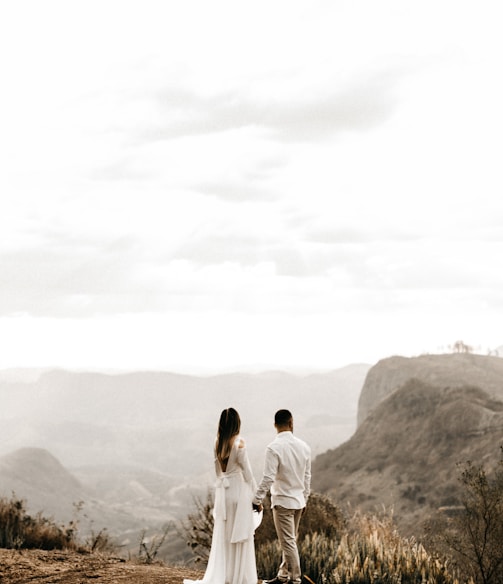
(218, 170)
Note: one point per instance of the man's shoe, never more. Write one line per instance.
(275, 581)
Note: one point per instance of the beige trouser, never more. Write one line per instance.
(286, 522)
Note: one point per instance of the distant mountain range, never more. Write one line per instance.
(419, 419)
(137, 447)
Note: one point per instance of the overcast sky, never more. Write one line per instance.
(207, 185)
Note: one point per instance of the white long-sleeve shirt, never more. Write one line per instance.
(287, 472)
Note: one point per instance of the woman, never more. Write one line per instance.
(232, 554)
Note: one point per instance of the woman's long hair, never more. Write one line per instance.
(228, 427)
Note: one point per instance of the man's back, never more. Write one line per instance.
(287, 474)
(292, 481)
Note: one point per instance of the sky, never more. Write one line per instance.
(211, 186)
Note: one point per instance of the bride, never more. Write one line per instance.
(232, 554)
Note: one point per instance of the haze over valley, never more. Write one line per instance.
(137, 447)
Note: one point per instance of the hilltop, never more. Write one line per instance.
(404, 455)
(446, 370)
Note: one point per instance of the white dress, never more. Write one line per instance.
(232, 554)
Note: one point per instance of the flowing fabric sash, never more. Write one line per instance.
(219, 511)
(221, 485)
(243, 520)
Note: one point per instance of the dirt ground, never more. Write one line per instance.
(57, 567)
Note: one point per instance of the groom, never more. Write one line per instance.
(287, 473)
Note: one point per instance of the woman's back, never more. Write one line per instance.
(232, 555)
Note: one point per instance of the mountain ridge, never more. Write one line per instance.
(135, 410)
(390, 374)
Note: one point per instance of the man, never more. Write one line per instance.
(287, 474)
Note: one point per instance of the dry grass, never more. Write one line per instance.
(369, 551)
(373, 551)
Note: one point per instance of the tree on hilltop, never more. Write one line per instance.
(461, 347)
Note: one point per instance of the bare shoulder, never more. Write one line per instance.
(241, 443)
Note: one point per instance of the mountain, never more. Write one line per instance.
(34, 474)
(406, 452)
(485, 372)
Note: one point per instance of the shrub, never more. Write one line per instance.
(473, 531)
(100, 542)
(149, 547)
(198, 528)
(21, 531)
(321, 516)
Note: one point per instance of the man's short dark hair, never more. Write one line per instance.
(282, 418)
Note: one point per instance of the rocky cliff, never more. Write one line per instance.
(449, 370)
